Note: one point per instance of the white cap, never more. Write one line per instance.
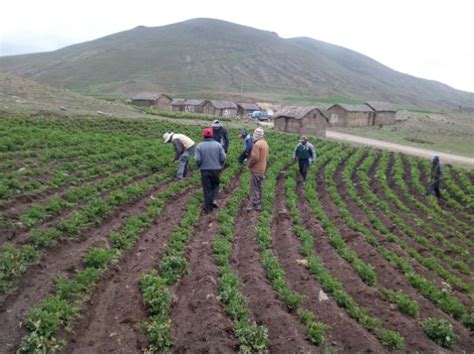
(167, 137)
(216, 123)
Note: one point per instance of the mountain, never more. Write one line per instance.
(211, 58)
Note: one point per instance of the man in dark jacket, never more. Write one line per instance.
(210, 158)
(248, 143)
(436, 176)
(305, 155)
(220, 135)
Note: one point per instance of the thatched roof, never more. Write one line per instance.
(178, 101)
(223, 104)
(148, 96)
(352, 107)
(194, 102)
(249, 106)
(380, 106)
(298, 112)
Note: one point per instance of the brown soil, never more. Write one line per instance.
(387, 274)
(20, 234)
(199, 321)
(367, 297)
(285, 331)
(362, 217)
(345, 334)
(62, 258)
(378, 190)
(110, 320)
(408, 180)
(420, 214)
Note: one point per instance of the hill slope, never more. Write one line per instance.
(19, 95)
(209, 57)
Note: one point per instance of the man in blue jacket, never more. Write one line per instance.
(305, 155)
(248, 143)
(210, 158)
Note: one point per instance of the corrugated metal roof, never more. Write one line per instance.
(380, 106)
(297, 112)
(249, 106)
(353, 107)
(223, 104)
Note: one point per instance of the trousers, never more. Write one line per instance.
(256, 189)
(210, 186)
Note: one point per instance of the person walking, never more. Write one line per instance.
(184, 148)
(248, 143)
(210, 158)
(436, 176)
(257, 163)
(304, 154)
(220, 134)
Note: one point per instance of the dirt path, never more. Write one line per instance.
(199, 321)
(466, 161)
(285, 331)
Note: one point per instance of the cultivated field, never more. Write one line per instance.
(103, 251)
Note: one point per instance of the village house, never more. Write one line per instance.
(177, 104)
(384, 112)
(307, 120)
(246, 109)
(155, 100)
(188, 105)
(346, 115)
(220, 108)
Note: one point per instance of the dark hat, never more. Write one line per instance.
(244, 132)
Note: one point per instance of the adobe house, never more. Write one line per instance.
(308, 120)
(177, 104)
(155, 100)
(246, 109)
(194, 106)
(220, 108)
(350, 115)
(384, 112)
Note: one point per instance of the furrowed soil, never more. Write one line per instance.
(112, 313)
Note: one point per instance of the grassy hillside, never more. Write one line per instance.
(204, 57)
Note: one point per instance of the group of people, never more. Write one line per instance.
(210, 156)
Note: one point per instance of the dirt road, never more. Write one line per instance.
(447, 158)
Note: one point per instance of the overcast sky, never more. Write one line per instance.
(432, 39)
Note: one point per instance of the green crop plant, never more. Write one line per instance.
(441, 331)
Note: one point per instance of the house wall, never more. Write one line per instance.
(359, 119)
(163, 103)
(342, 118)
(226, 112)
(314, 124)
(338, 116)
(280, 123)
(384, 118)
(177, 108)
(208, 108)
(143, 103)
(245, 112)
